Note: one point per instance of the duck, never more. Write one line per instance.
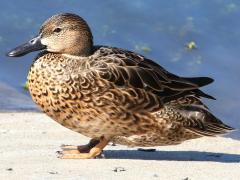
(111, 94)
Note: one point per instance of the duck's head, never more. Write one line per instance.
(62, 33)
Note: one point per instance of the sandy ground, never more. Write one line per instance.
(29, 141)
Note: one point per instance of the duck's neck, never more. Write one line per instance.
(76, 57)
(83, 48)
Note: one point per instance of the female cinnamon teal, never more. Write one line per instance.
(111, 94)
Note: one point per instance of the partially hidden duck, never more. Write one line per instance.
(110, 94)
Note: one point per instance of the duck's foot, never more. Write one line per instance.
(69, 149)
(91, 150)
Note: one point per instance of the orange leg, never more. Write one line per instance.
(91, 150)
(69, 149)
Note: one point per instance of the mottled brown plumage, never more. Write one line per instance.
(111, 94)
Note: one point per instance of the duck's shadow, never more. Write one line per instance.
(173, 156)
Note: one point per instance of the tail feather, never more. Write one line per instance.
(200, 81)
(200, 93)
(200, 121)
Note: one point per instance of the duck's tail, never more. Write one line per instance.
(200, 81)
(200, 121)
(197, 118)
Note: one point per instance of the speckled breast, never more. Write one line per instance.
(74, 98)
(55, 87)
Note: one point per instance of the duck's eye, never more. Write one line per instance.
(57, 30)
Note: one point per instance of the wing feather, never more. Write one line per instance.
(125, 68)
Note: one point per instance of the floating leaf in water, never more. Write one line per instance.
(143, 48)
(191, 45)
(146, 49)
(26, 86)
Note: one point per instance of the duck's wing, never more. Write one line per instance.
(125, 68)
